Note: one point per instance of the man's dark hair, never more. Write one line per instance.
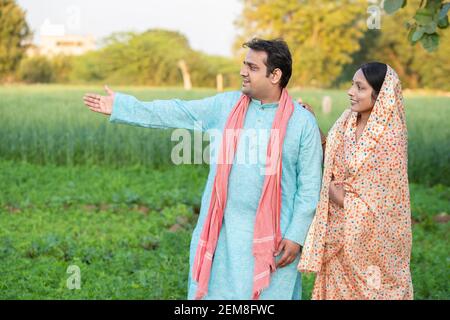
(278, 56)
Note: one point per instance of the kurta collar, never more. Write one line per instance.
(265, 105)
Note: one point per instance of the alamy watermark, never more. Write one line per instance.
(73, 282)
(374, 10)
(252, 145)
(72, 23)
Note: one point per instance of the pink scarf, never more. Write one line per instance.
(267, 234)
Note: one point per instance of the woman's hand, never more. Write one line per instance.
(306, 106)
(323, 137)
(336, 194)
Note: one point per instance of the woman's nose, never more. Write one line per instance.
(350, 92)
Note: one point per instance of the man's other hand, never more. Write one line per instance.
(290, 251)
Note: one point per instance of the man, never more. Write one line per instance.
(232, 205)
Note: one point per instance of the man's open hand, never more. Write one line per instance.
(290, 250)
(98, 103)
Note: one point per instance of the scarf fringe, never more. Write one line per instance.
(264, 282)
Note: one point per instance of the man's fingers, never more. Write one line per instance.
(108, 90)
(285, 260)
(96, 102)
(93, 96)
(280, 263)
(90, 100)
(280, 248)
(94, 107)
(93, 104)
(308, 107)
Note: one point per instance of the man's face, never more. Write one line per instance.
(255, 82)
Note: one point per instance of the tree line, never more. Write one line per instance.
(328, 40)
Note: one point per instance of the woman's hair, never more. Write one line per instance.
(375, 72)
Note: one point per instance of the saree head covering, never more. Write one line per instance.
(362, 251)
(267, 234)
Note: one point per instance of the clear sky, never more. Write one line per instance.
(208, 24)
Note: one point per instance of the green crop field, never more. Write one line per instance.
(77, 190)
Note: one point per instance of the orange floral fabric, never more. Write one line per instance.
(362, 251)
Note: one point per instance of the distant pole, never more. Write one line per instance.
(185, 73)
(327, 105)
(219, 81)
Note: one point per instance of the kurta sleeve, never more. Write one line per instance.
(309, 177)
(200, 114)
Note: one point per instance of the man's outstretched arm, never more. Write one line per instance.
(200, 114)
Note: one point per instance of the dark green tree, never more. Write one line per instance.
(426, 22)
(36, 70)
(14, 32)
(416, 67)
(322, 35)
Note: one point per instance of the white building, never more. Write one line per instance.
(52, 45)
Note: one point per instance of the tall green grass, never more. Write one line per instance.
(50, 125)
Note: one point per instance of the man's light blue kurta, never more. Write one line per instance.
(232, 269)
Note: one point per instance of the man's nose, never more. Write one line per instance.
(243, 71)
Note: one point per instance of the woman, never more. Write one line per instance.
(359, 243)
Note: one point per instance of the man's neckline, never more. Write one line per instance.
(265, 105)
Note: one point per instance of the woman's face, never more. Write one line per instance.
(360, 93)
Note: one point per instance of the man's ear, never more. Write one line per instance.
(275, 76)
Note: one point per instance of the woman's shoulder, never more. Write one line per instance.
(340, 122)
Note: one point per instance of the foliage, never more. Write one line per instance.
(322, 35)
(151, 58)
(431, 16)
(62, 67)
(118, 227)
(14, 31)
(330, 39)
(36, 70)
(416, 67)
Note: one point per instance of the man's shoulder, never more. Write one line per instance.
(302, 116)
(229, 95)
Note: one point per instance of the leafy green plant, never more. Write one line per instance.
(431, 16)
